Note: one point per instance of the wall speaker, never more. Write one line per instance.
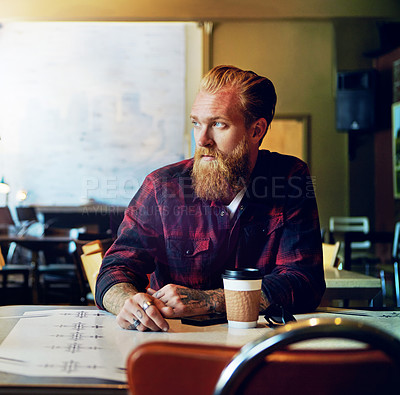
(355, 100)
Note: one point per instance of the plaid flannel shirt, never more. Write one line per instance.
(176, 237)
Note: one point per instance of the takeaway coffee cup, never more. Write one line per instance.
(242, 288)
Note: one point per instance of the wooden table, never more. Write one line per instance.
(36, 244)
(348, 285)
(127, 340)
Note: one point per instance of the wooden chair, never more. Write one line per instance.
(270, 366)
(330, 254)
(91, 262)
(88, 257)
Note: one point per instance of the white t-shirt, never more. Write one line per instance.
(234, 204)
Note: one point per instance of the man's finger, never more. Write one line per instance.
(165, 310)
(155, 317)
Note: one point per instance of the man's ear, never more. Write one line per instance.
(258, 130)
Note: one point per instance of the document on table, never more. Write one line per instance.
(90, 344)
(63, 343)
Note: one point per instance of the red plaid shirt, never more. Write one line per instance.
(180, 239)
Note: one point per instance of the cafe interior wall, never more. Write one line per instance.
(299, 57)
(294, 43)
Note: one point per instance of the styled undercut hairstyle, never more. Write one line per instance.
(256, 94)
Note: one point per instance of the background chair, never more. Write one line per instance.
(7, 226)
(6, 220)
(330, 255)
(88, 256)
(273, 368)
(15, 272)
(395, 260)
(56, 274)
(15, 283)
(26, 217)
(28, 225)
(340, 225)
(362, 256)
(372, 255)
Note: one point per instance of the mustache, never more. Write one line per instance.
(200, 151)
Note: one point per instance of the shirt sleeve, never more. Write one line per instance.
(140, 236)
(297, 280)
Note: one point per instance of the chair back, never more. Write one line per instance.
(2, 262)
(91, 264)
(88, 258)
(396, 241)
(351, 224)
(395, 258)
(329, 253)
(199, 367)
(373, 369)
(26, 214)
(5, 216)
(273, 368)
(6, 219)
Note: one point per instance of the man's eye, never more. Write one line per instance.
(219, 124)
(195, 123)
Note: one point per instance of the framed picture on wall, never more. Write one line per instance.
(396, 148)
(289, 135)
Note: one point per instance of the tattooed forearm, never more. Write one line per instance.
(115, 297)
(213, 300)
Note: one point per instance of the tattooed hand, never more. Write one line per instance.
(136, 310)
(186, 301)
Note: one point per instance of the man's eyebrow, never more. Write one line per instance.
(218, 117)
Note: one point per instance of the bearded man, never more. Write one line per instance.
(230, 206)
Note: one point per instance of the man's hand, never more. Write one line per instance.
(187, 301)
(136, 310)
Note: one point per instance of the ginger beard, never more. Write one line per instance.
(221, 179)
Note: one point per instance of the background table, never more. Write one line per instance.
(349, 285)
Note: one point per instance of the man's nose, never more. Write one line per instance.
(204, 138)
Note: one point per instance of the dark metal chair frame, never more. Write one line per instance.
(251, 355)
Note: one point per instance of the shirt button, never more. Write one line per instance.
(189, 252)
(222, 213)
(241, 207)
